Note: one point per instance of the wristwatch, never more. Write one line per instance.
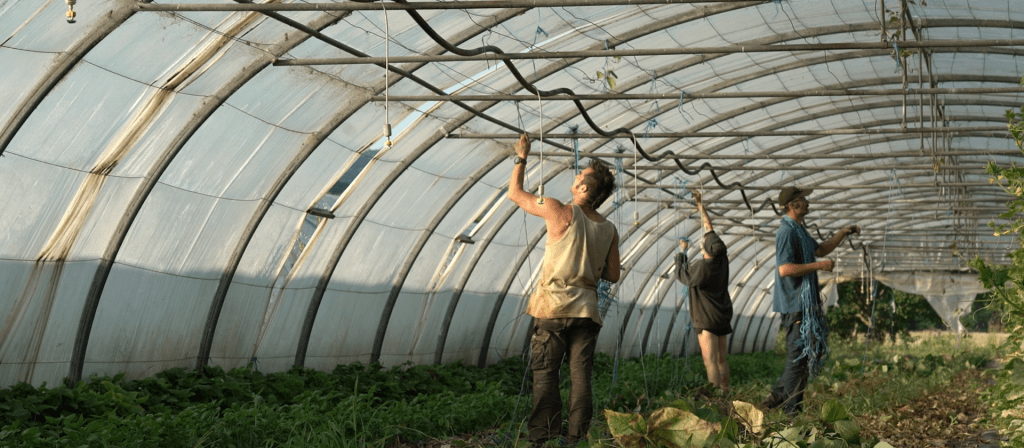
(518, 160)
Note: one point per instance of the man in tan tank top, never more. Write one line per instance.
(582, 248)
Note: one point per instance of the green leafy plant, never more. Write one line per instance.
(1006, 285)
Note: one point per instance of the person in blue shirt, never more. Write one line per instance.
(796, 293)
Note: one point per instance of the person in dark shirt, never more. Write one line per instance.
(710, 304)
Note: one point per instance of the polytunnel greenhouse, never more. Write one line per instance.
(190, 183)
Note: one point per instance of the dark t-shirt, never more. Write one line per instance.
(708, 279)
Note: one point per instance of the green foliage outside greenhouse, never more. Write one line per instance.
(1007, 289)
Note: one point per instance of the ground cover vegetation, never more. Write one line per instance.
(647, 401)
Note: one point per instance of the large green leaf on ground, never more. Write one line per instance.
(787, 438)
(627, 429)
(832, 411)
(750, 416)
(828, 443)
(848, 430)
(673, 427)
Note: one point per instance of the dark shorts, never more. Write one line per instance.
(716, 332)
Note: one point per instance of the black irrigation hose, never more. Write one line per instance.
(408, 75)
(579, 105)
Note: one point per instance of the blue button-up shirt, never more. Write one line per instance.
(792, 245)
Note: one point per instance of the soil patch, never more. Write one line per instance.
(946, 417)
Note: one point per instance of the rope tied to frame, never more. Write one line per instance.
(649, 126)
(682, 113)
(778, 5)
(536, 33)
(899, 65)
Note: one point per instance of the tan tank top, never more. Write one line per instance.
(572, 268)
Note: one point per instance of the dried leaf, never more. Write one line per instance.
(750, 416)
(627, 429)
(677, 428)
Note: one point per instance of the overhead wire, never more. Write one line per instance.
(530, 87)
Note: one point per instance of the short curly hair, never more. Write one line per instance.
(600, 183)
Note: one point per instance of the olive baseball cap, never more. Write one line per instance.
(789, 193)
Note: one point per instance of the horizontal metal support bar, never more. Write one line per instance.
(887, 155)
(995, 130)
(904, 186)
(980, 168)
(725, 49)
(896, 203)
(702, 95)
(902, 208)
(420, 5)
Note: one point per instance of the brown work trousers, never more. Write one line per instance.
(552, 339)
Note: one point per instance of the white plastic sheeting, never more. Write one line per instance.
(951, 295)
(158, 172)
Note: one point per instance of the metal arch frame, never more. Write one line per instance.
(134, 207)
(746, 242)
(44, 95)
(625, 269)
(513, 273)
(359, 6)
(654, 238)
(643, 284)
(410, 260)
(517, 266)
(836, 148)
(503, 292)
(803, 119)
(708, 152)
(297, 357)
(669, 268)
(759, 264)
(654, 52)
(308, 326)
(61, 67)
(754, 277)
(793, 64)
(477, 255)
(406, 267)
(372, 200)
(668, 333)
(733, 114)
(361, 213)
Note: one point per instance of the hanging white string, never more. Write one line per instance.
(387, 83)
(540, 188)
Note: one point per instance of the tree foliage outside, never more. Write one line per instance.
(853, 312)
(1006, 283)
(983, 317)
